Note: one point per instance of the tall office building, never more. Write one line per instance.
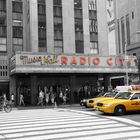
(57, 45)
(128, 26)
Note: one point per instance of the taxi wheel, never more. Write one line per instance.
(119, 110)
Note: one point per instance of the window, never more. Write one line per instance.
(57, 2)
(58, 43)
(77, 4)
(93, 47)
(42, 21)
(17, 41)
(41, 1)
(92, 5)
(3, 20)
(3, 44)
(57, 23)
(93, 37)
(17, 7)
(78, 13)
(42, 33)
(79, 46)
(79, 36)
(42, 45)
(136, 96)
(17, 32)
(58, 46)
(17, 44)
(2, 5)
(92, 14)
(57, 11)
(93, 26)
(58, 35)
(41, 9)
(3, 31)
(78, 25)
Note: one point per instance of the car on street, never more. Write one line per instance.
(106, 96)
(123, 102)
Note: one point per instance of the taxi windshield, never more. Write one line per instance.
(123, 95)
(110, 94)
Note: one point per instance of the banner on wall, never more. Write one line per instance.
(111, 26)
(41, 62)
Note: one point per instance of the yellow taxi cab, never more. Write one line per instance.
(109, 95)
(123, 102)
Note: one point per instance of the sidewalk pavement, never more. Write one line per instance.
(45, 106)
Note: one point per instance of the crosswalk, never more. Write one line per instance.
(62, 124)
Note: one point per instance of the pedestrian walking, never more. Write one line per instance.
(61, 97)
(47, 97)
(55, 101)
(52, 98)
(12, 99)
(64, 99)
(41, 97)
(21, 101)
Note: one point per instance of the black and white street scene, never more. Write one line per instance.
(69, 69)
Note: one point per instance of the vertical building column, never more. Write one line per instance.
(102, 28)
(12, 87)
(73, 87)
(68, 26)
(49, 26)
(106, 82)
(34, 90)
(86, 27)
(9, 28)
(26, 31)
(33, 25)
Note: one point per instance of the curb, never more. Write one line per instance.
(44, 107)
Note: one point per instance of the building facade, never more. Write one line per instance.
(57, 45)
(127, 26)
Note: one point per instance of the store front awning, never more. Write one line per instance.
(25, 62)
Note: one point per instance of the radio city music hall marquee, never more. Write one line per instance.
(74, 60)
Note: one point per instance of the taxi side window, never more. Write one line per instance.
(136, 96)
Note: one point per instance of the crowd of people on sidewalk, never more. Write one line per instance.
(51, 95)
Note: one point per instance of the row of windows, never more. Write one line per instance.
(42, 25)
(58, 33)
(3, 68)
(93, 27)
(3, 73)
(58, 30)
(78, 14)
(121, 24)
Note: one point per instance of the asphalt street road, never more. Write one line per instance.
(68, 123)
(134, 116)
